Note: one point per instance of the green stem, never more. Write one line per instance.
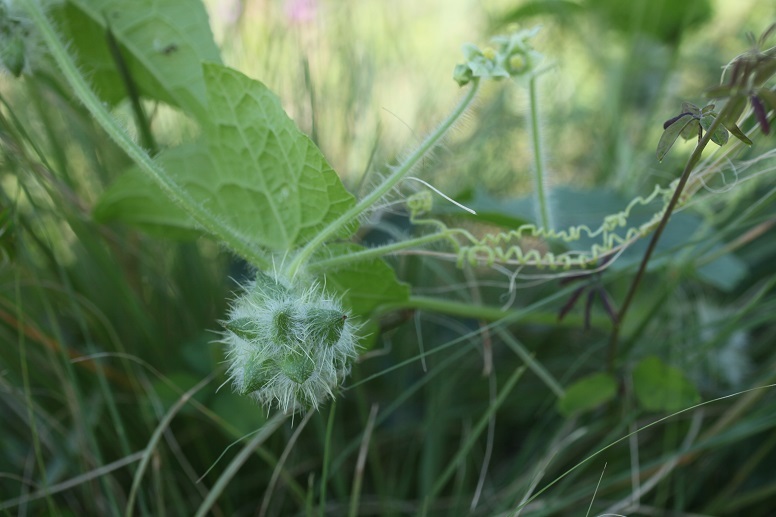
(472, 438)
(390, 182)
(488, 313)
(528, 358)
(141, 120)
(371, 253)
(263, 433)
(173, 191)
(688, 168)
(540, 195)
(326, 458)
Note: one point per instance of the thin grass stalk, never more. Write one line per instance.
(269, 427)
(156, 437)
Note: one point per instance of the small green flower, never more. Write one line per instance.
(489, 53)
(509, 56)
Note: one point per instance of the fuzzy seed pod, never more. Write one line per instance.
(288, 345)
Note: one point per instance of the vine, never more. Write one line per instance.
(490, 248)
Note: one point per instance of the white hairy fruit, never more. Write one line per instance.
(288, 345)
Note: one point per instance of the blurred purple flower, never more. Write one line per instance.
(229, 11)
(301, 11)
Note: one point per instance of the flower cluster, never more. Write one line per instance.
(288, 345)
(510, 56)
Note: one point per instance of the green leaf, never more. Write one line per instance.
(721, 135)
(557, 8)
(162, 42)
(691, 130)
(135, 199)
(692, 109)
(364, 285)
(736, 132)
(724, 273)
(737, 106)
(664, 20)
(659, 387)
(270, 182)
(255, 171)
(588, 393)
(670, 135)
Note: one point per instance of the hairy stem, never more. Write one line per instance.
(390, 182)
(372, 253)
(688, 168)
(540, 195)
(152, 169)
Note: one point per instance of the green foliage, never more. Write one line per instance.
(13, 48)
(269, 180)
(664, 20)
(563, 9)
(133, 198)
(254, 170)
(160, 45)
(587, 393)
(366, 284)
(660, 387)
(691, 123)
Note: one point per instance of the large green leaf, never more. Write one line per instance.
(136, 200)
(660, 387)
(163, 43)
(271, 182)
(254, 171)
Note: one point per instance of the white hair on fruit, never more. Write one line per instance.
(288, 345)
